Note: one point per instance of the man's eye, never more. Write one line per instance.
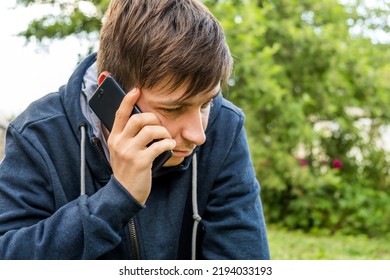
(173, 110)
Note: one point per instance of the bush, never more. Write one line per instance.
(316, 100)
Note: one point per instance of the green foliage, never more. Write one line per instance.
(68, 18)
(315, 99)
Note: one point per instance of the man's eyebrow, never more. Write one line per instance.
(186, 102)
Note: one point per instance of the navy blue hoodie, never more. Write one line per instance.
(43, 215)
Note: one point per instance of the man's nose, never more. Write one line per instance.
(194, 128)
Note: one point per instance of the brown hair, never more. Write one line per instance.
(145, 42)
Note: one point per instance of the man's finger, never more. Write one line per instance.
(123, 114)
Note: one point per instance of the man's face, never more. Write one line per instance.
(185, 120)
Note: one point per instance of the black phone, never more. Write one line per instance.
(106, 101)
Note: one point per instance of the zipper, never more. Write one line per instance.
(133, 240)
(99, 149)
(131, 225)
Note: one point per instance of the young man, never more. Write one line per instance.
(171, 57)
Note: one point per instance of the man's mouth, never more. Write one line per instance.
(182, 153)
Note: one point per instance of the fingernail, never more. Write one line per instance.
(133, 91)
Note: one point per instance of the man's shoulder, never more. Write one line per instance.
(229, 105)
(232, 110)
(228, 115)
(40, 111)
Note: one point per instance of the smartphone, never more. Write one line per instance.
(105, 102)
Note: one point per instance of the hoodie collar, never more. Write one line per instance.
(72, 92)
(70, 97)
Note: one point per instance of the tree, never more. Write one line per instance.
(315, 95)
(68, 18)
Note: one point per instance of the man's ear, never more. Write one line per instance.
(102, 76)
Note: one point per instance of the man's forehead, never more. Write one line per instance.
(178, 96)
(190, 100)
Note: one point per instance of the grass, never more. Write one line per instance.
(296, 245)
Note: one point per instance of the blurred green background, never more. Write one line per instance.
(313, 79)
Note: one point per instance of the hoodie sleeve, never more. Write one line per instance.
(233, 221)
(32, 226)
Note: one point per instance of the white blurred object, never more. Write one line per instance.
(3, 121)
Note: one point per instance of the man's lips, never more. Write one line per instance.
(180, 153)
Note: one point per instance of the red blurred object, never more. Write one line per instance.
(337, 164)
(303, 162)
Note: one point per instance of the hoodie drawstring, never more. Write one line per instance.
(82, 160)
(195, 214)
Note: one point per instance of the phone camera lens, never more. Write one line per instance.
(100, 93)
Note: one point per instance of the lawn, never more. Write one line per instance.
(296, 245)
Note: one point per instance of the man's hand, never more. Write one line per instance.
(131, 158)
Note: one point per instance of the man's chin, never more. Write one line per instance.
(173, 161)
